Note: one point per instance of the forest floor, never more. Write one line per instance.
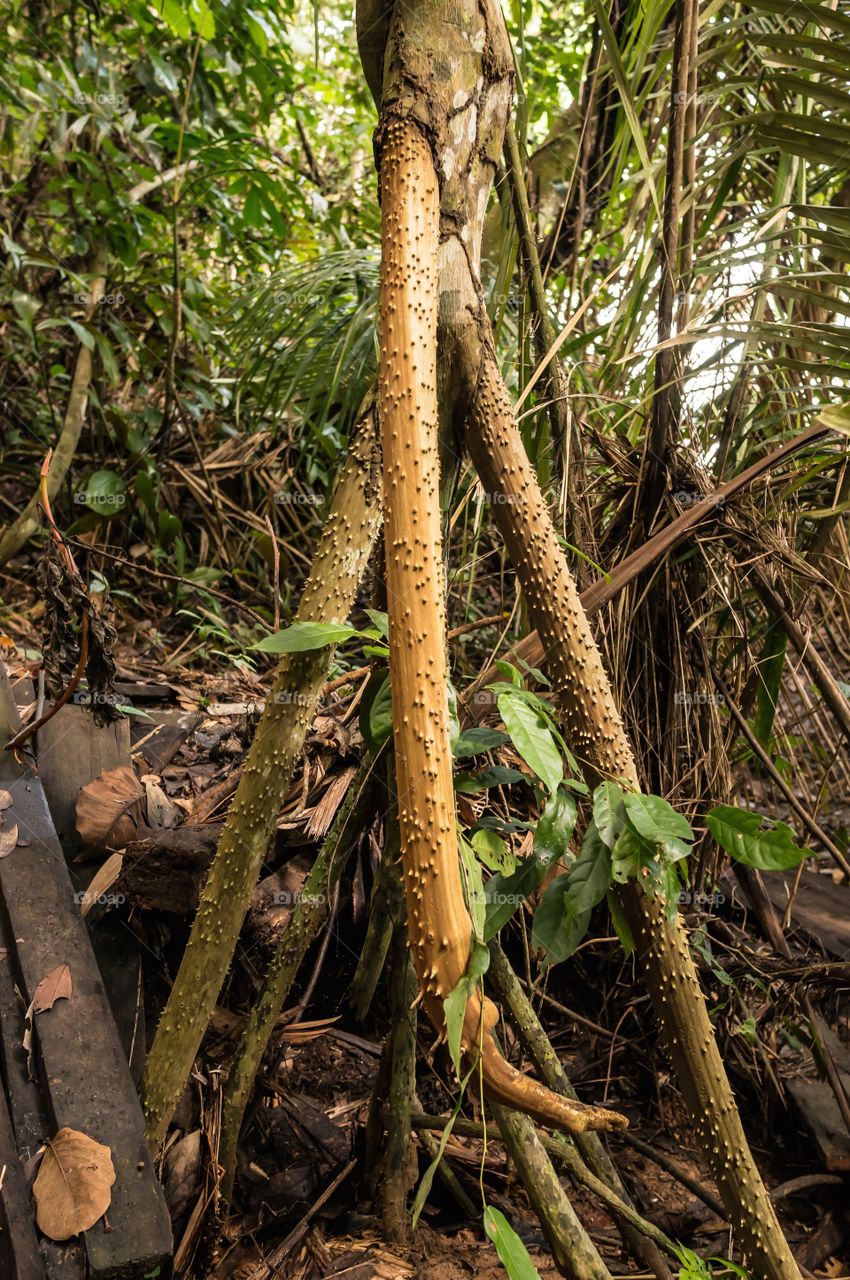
(305, 1205)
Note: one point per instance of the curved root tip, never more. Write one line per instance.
(503, 1083)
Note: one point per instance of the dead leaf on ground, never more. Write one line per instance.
(108, 807)
(102, 881)
(56, 986)
(183, 1172)
(8, 840)
(73, 1188)
(5, 799)
(163, 814)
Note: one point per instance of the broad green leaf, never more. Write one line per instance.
(474, 742)
(498, 775)
(454, 1004)
(301, 636)
(741, 834)
(655, 819)
(175, 16)
(104, 492)
(376, 710)
(504, 894)
(589, 876)
(493, 851)
(513, 1254)
(202, 19)
(553, 930)
(555, 827)
(609, 812)
(531, 735)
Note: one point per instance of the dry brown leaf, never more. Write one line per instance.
(56, 986)
(101, 882)
(5, 799)
(73, 1187)
(163, 814)
(107, 807)
(8, 840)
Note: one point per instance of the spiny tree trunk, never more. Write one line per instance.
(448, 68)
(439, 923)
(350, 530)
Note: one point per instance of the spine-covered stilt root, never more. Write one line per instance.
(438, 920)
(595, 732)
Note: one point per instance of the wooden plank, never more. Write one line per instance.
(84, 1074)
(28, 1114)
(819, 1112)
(821, 907)
(19, 1253)
(72, 751)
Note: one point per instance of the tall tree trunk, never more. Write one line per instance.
(439, 923)
(447, 75)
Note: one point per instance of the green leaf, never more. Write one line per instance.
(202, 19)
(609, 813)
(104, 492)
(531, 735)
(553, 930)
(475, 898)
(504, 894)
(620, 923)
(172, 12)
(655, 819)
(301, 636)
(454, 1004)
(493, 851)
(499, 775)
(555, 827)
(513, 1254)
(474, 742)
(589, 876)
(376, 710)
(740, 833)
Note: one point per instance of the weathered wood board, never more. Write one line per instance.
(86, 1083)
(821, 907)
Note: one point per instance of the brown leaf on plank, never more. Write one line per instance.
(5, 799)
(73, 1188)
(8, 840)
(107, 809)
(56, 986)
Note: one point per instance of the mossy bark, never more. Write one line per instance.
(574, 1252)
(344, 548)
(302, 927)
